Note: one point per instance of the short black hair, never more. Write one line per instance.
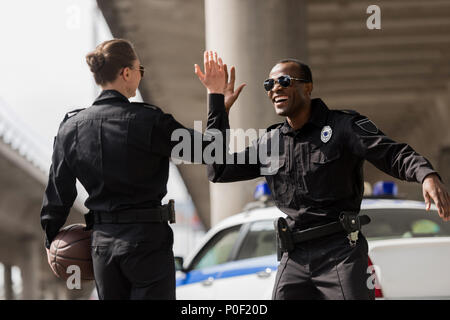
(305, 71)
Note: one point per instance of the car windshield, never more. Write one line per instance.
(404, 223)
(259, 241)
(217, 250)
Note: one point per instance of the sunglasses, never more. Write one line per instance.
(284, 81)
(141, 70)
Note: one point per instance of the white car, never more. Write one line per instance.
(236, 260)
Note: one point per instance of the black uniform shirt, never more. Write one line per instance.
(317, 179)
(118, 150)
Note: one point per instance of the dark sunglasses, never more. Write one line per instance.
(284, 81)
(141, 70)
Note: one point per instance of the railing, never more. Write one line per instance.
(21, 138)
(29, 145)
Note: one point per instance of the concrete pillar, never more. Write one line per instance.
(7, 282)
(252, 35)
(443, 112)
(30, 268)
(443, 167)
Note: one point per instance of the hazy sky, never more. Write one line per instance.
(42, 57)
(43, 67)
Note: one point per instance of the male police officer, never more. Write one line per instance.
(319, 185)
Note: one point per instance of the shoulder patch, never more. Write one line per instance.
(70, 114)
(367, 125)
(146, 105)
(350, 112)
(275, 126)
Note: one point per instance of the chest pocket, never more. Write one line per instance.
(324, 174)
(280, 185)
(320, 158)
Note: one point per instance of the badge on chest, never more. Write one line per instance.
(326, 134)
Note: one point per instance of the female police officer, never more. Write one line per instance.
(120, 152)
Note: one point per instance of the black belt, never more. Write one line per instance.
(161, 214)
(325, 230)
(349, 222)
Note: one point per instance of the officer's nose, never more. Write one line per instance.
(276, 87)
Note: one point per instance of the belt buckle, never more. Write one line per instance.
(352, 238)
(171, 209)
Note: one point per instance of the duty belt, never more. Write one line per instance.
(349, 222)
(161, 214)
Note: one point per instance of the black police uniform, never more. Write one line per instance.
(119, 151)
(320, 175)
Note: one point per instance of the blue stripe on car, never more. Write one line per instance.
(228, 270)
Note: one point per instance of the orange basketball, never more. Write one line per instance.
(71, 248)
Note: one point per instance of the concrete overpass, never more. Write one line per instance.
(399, 76)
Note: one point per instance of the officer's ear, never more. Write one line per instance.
(308, 88)
(125, 73)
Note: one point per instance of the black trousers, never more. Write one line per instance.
(133, 261)
(328, 268)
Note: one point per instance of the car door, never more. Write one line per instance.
(409, 248)
(251, 274)
(199, 282)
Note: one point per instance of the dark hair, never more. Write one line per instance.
(305, 71)
(108, 58)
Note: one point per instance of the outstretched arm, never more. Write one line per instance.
(398, 160)
(221, 96)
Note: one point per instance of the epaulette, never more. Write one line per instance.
(350, 112)
(275, 126)
(146, 105)
(70, 114)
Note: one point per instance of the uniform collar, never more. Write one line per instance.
(110, 94)
(319, 114)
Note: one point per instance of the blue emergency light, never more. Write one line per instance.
(262, 190)
(385, 188)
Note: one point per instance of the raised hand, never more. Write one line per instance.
(214, 77)
(433, 189)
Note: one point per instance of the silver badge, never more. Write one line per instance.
(326, 134)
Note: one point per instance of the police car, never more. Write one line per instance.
(408, 253)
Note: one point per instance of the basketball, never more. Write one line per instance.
(70, 249)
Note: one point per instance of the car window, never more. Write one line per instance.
(404, 223)
(259, 241)
(217, 250)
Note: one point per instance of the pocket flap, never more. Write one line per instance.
(273, 165)
(320, 157)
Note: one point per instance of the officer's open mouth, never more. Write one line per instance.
(280, 100)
